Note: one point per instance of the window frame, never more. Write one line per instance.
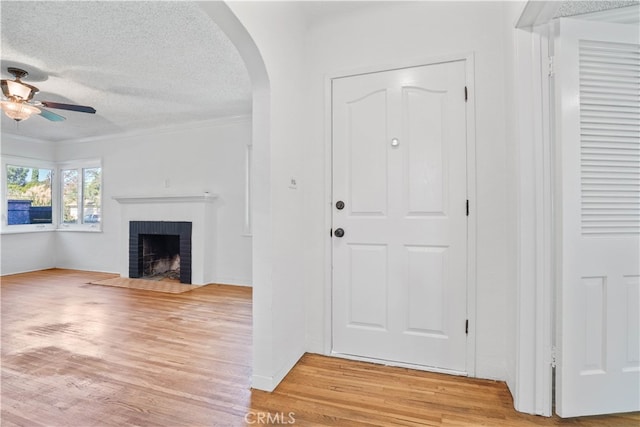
(26, 162)
(56, 195)
(80, 166)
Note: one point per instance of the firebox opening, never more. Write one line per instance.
(160, 256)
(179, 232)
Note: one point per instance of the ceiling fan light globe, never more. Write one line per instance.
(18, 111)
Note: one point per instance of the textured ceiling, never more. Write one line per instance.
(579, 7)
(141, 65)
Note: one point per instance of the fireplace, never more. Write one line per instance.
(192, 217)
(158, 247)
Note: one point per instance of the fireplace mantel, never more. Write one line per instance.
(187, 198)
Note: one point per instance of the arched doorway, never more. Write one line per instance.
(260, 177)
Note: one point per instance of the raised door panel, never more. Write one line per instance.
(367, 286)
(367, 151)
(425, 159)
(426, 296)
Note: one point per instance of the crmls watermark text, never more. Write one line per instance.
(270, 418)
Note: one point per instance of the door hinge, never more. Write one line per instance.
(466, 94)
(467, 207)
(553, 357)
(466, 326)
(551, 67)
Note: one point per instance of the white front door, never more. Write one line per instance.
(597, 85)
(399, 216)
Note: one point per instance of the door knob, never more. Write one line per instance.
(339, 205)
(339, 232)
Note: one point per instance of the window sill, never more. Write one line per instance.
(80, 229)
(27, 230)
(48, 230)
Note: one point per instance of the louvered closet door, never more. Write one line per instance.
(597, 85)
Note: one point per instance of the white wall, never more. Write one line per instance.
(12, 145)
(26, 251)
(186, 160)
(383, 36)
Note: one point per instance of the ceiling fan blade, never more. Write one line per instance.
(50, 115)
(71, 107)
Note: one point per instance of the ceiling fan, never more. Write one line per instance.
(18, 104)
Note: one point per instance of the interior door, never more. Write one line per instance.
(597, 86)
(399, 216)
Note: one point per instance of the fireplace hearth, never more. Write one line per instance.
(160, 248)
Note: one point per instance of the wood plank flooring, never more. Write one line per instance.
(75, 354)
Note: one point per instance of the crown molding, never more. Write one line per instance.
(537, 13)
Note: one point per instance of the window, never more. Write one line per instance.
(29, 193)
(35, 199)
(81, 196)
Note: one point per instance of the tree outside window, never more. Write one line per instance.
(92, 178)
(69, 196)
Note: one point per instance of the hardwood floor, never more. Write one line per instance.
(75, 354)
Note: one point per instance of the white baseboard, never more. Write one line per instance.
(233, 281)
(11, 273)
(269, 383)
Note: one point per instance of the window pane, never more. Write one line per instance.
(70, 196)
(91, 195)
(28, 195)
